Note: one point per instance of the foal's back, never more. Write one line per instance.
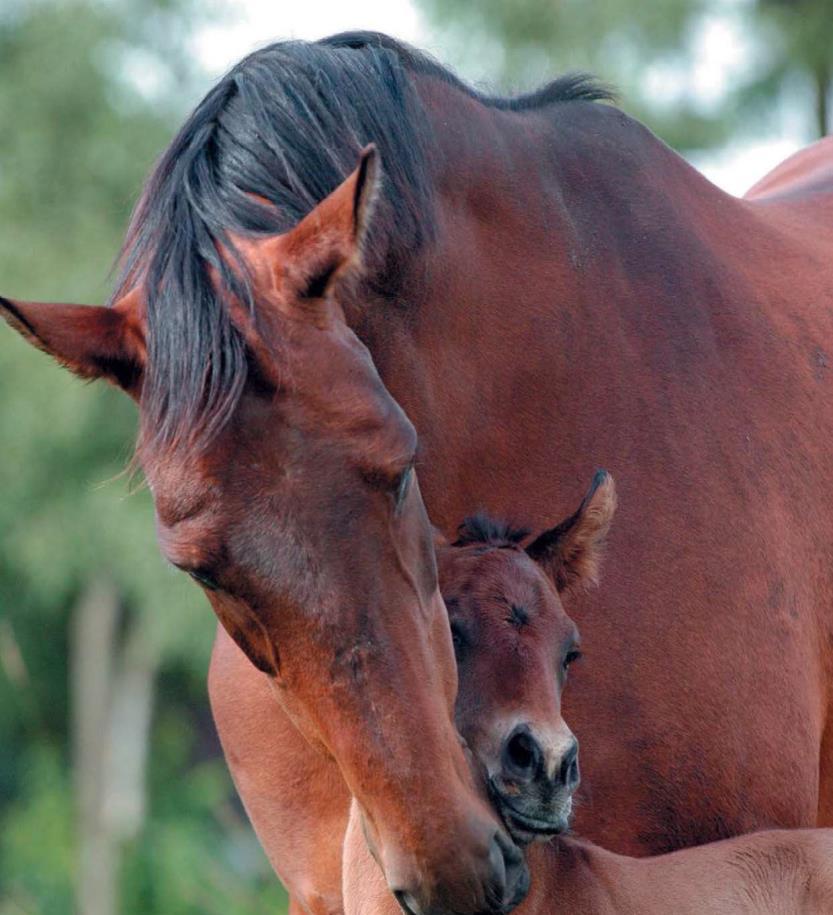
(779, 872)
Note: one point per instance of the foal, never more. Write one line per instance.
(514, 643)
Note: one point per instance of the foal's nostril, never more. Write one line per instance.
(569, 772)
(522, 755)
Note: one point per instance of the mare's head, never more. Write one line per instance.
(300, 516)
(514, 644)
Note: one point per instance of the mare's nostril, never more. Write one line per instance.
(569, 772)
(521, 755)
(406, 902)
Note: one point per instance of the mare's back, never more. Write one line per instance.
(804, 178)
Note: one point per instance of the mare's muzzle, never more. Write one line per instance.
(503, 875)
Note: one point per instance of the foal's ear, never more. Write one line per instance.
(570, 552)
(333, 237)
(91, 341)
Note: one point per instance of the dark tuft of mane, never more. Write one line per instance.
(286, 124)
(570, 87)
(482, 528)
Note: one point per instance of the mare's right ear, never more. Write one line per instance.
(91, 341)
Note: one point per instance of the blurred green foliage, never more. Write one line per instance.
(646, 49)
(77, 138)
(798, 39)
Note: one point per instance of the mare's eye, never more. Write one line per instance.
(569, 658)
(204, 579)
(403, 484)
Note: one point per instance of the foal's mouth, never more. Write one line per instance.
(526, 827)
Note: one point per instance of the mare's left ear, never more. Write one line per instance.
(333, 237)
(571, 551)
(91, 341)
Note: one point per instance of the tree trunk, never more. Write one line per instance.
(92, 649)
(112, 700)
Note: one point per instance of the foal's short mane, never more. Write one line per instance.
(285, 124)
(482, 528)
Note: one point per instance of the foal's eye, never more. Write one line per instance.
(204, 579)
(569, 658)
(459, 641)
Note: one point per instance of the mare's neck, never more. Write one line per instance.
(578, 289)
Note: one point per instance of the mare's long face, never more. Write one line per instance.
(302, 520)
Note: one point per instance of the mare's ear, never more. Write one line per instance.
(332, 238)
(571, 551)
(91, 341)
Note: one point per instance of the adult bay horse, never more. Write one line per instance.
(514, 643)
(300, 515)
(547, 285)
(582, 294)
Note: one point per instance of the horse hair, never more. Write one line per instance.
(285, 124)
(482, 528)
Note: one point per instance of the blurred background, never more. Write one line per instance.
(113, 794)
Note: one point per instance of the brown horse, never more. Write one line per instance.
(301, 517)
(485, 567)
(580, 293)
(545, 284)
(513, 642)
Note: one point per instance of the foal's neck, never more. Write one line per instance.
(573, 877)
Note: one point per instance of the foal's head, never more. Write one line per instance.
(514, 644)
(301, 518)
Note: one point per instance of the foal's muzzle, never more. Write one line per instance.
(533, 788)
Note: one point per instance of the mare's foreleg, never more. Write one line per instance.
(295, 796)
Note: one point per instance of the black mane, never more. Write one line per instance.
(286, 124)
(571, 87)
(482, 528)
